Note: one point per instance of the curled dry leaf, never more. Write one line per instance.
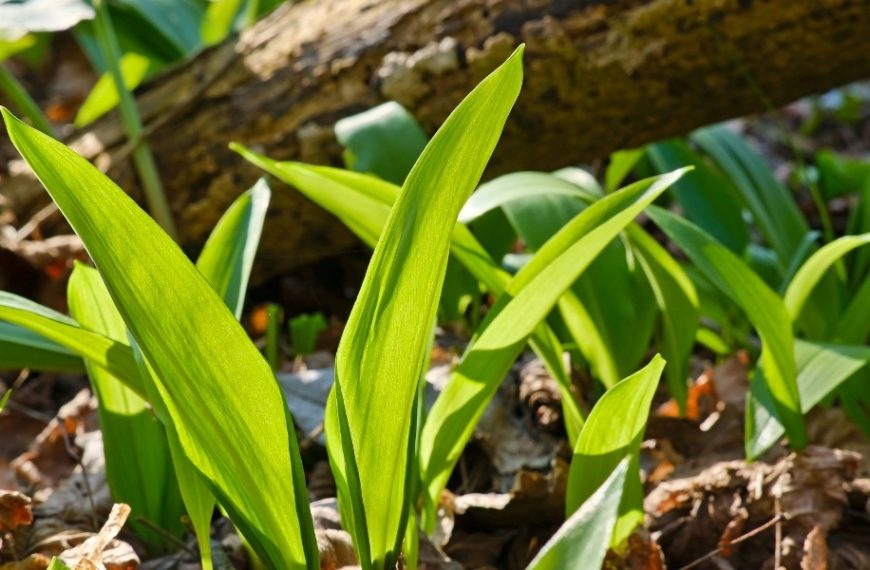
(48, 460)
(642, 553)
(101, 551)
(14, 510)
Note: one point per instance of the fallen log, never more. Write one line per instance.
(600, 75)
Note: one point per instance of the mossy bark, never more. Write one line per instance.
(600, 75)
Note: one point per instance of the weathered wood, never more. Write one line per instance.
(600, 75)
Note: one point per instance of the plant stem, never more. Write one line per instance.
(22, 100)
(142, 157)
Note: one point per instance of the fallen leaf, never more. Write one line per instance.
(14, 510)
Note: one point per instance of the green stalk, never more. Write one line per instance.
(22, 100)
(142, 157)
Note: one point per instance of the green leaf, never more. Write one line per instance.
(10, 47)
(815, 269)
(621, 163)
(219, 19)
(363, 203)
(705, 197)
(762, 306)
(610, 332)
(237, 438)
(304, 331)
(228, 255)
(57, 564)
(773, 208)
(678, 306)
(113, 355)
(583, 538)
(104, 96)
(822, 368)
(138, 464)
(614, 430)
(529, 297)
(4, 400)
(385, 140)
(532, 188)
(840, 175)
(22, 348)
(177, 21)
(378, 362)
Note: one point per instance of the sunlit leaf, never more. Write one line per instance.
(22, 348)
(529, 297)
(379, 362)
(385, 140)
(762, 306)
(822, 368)
(613, 431)
(236, 436)
(138, 464)
(583, 539)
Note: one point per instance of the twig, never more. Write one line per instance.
(35, 221)
(758, 530)
(777, 554)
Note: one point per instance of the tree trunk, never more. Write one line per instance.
(600, 75)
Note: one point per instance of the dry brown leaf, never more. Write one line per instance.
(101, 551)
(14, 510)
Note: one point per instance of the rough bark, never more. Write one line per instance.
(600, 75)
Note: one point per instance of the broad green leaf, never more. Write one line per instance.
(104, 96)
(111, 354)
(228, 255)
(621, 164)
(529, 297)
(385, 141)
(378, 362)
(814, 270)
(611, 332)
(177, 21)
(613, 431)
(539, 186)
(839, 175)
(583, 539)
(773, 208)
(218, 20)
(237, 438)
(22, 348)
(705, 197)
(822, 368)
(678, 306)
(138, 464)
(363, 204)
(762, 306)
